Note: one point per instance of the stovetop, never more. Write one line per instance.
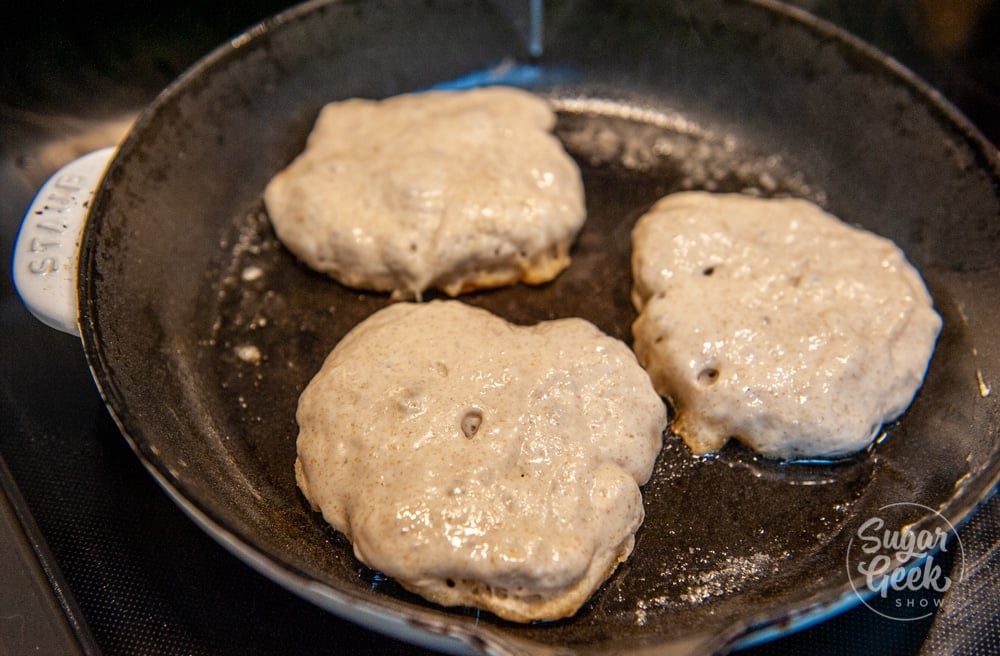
(94, 557)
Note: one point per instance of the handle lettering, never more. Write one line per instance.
(43, 266)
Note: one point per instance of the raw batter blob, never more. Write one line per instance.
(775, 323)
(481, 463)
(455, 190)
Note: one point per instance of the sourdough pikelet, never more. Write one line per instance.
(453, 190)
(776, 323)
(480, 463)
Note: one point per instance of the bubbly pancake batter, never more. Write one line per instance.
(775, 323)
(454, 190)
(481, 463)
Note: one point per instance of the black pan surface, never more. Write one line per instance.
(180, 271)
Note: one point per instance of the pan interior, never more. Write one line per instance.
(729, 97)
(723, 534)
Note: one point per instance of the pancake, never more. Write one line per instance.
(480, 463)
(449, 190)
(775, 323)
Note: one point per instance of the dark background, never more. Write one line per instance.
(94, 557)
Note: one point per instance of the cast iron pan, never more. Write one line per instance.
(180, 269)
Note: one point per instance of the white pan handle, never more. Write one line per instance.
(47, 250)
